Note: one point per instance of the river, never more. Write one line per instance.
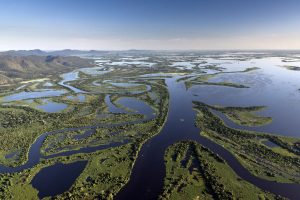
(146, 181)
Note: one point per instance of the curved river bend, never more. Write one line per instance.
(35, 155)
(146, 181)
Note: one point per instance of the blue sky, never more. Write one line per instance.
(149, 24)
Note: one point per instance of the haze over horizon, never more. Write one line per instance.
(153, 25)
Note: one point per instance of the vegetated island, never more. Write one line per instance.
(249, 147)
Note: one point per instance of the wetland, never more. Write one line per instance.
(154, 125)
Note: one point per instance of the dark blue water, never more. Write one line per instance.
(234, 125)
(269, 144)
(146, 180)
(137, 106)
(112, 108)
(86, 134)
(147, 176)
(58, 178)
(34, 154)
(88, 149)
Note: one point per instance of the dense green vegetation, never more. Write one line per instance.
(194, 172)
(204, 79)
(226, 84)
(245, 116)
(107, 171)
(23, 123)
(20, 126)
(280, 164)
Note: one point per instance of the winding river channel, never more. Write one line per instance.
(146, 180)
(35, 155)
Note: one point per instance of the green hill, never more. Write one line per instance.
(27, 67)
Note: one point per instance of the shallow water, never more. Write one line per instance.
(86, 134)
(137, 106)
(136, 63)
(183, 65)
(79, 97)
(272, 86)
(33, 95)
(119, 84)
(48, 84)
(269, 143)
(71, 76)
(146, 181)
(34, 154)
(50, 106)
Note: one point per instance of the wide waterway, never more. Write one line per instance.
(146, 181)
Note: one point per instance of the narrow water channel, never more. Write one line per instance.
(34, 154)
(146, 181)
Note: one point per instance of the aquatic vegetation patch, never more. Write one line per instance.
(260, 160)
(194, 172)
(245, 116)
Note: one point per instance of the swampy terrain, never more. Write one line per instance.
(152, 125)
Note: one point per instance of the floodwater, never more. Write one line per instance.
(56, 179)
(269, 144)
(35, 155)
(272, 86)
(50, 106)
(34, 95)
(71, 76)
(146, 181)
(79, 97)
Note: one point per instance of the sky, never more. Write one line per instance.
(149, 24)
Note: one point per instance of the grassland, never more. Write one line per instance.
(204, 79)
(194, 172)
(106, 172)
(107, 169)
(280, 164)
(246, 116)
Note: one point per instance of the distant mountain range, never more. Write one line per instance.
(66, 52)
(22, 65)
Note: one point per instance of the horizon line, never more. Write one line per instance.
(51, 50)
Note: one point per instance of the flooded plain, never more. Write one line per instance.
(271, 84)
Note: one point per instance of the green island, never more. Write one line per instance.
(279, 164)
(75, 110)
(194, 172)
(203, 79)
(245, 116)
(149, 100)
(106, 181)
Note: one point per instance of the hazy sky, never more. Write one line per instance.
(149, 24)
